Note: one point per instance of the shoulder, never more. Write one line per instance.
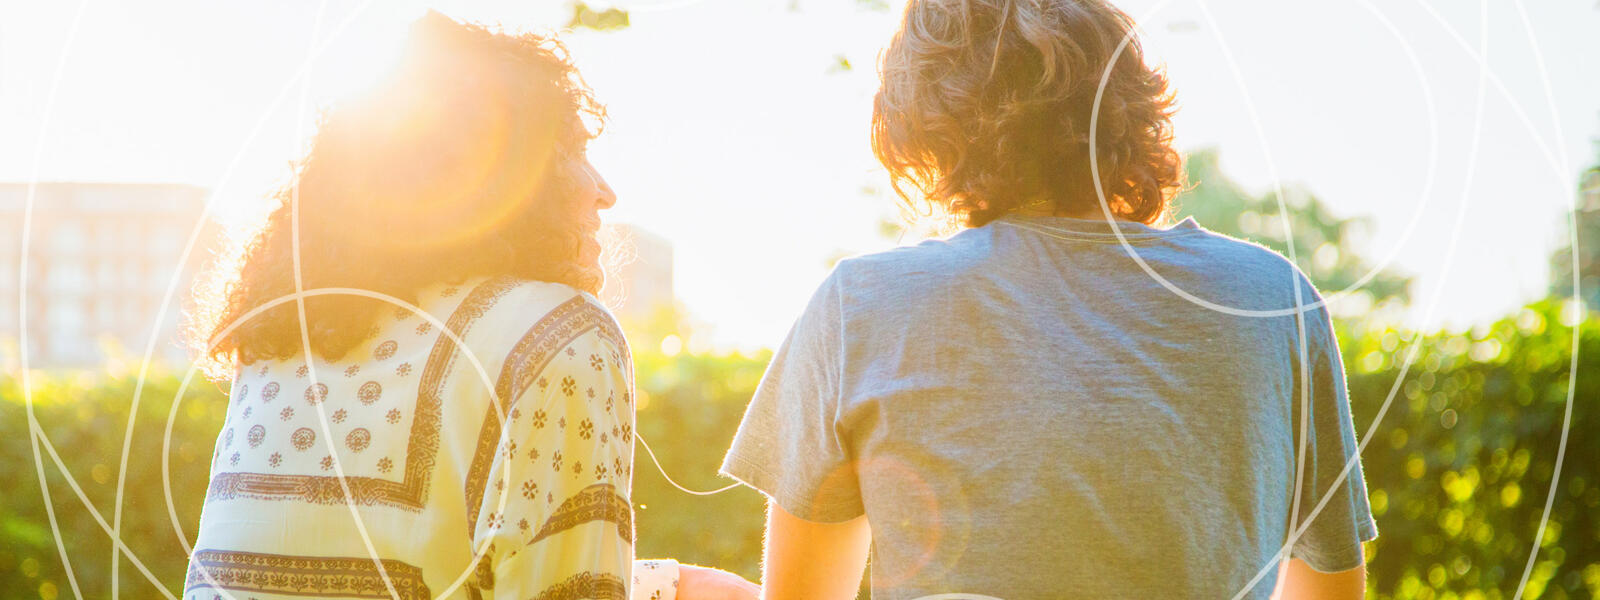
(539, 320)
(1254, 266)
(1236, 271)
(526, 322)
(1249, 257)
(934, 257)
(1263, 279)
(911, 271)
(517, 307)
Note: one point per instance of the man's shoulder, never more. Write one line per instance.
(1235, 248)
(907, 275)
(1253, 264)
(971, 249)
(1249, 276)
(926, 261)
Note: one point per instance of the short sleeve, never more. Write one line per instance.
(555, 515)
(790, 445)
(1332, 540)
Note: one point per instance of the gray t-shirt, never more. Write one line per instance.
(1022, 411)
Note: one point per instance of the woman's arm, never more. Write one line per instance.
(813, 561)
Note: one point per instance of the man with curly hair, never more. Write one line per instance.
(1072, 397)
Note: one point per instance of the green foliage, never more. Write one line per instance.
(586, 17)
(841, 63)
(1458, 468)
(1221, 205)
(84, 417)
(689, 408)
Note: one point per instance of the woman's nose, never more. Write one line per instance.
(604, 196)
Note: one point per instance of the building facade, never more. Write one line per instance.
(638, 273)
(100, 258)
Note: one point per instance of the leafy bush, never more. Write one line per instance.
(1459, 468)
(689, 408)
(85, 415)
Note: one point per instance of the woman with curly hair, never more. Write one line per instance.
(1073, 396)
(427, 399)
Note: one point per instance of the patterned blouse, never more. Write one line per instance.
(493, 463)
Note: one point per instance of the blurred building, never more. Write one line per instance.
(638, 273)
(1586, 220)
(1589, 191)
(100, 258)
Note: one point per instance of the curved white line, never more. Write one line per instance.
(1577, 297)
(99, 519)
(305, 336)
(1418, 338)
(673, 482)
(461, 346)
(183, 258)
(22, 293)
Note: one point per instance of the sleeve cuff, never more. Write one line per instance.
(1323, 560)
(747, 472)
(655, 579)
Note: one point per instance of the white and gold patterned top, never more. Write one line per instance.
(494, 463)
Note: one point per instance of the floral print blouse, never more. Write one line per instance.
(481, 447)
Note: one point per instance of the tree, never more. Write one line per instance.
(1323, 242)
(587, 17)
(1587, 215)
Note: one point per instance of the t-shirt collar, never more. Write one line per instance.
(1099, 228)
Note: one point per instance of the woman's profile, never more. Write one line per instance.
(448, 410)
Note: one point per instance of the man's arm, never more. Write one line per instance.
(1301, 582)
(809, 560)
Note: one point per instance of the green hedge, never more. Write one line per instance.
(1458, 468)
(85, 416)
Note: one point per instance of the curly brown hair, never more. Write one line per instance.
(453, 166)
(985, 108)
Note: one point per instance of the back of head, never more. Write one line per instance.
(462, 135)
(451, 166)
(986, 108)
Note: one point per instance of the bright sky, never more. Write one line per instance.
(732, 136)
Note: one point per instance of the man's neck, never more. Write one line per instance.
(1051, 212)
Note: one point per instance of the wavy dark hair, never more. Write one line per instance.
(985, 106)
(453, 166)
